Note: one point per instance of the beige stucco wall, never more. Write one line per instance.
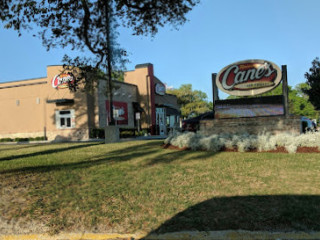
(143, 77)
(22, 106)
(140, 77)
(33, 116)
(26, 112)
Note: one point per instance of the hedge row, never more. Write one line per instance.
(22, 139)
(124, 133)
(244, 142)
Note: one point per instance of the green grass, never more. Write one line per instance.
(139, 186)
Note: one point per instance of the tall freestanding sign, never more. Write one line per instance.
(251, 112)
(250, 78)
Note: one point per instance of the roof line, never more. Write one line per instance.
(23, 85)
(30, 79)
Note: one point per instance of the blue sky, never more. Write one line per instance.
(217, 34)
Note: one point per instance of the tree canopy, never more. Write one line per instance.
(313, 82)
(192, 102)
(85, 25)
(91, 26)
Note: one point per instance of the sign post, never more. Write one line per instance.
(215, 92)
(138, 120)
(285, 90)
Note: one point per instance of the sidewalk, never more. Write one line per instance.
(151, 137)
(154, 137)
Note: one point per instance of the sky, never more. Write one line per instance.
(218, 33)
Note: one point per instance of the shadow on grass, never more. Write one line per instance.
(169, 156)
(150, 153)
(49, 151)
(4, 147)
(254, 213)
(120, 155)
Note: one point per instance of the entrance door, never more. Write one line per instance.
(161, 121)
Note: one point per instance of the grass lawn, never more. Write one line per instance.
(138, 186)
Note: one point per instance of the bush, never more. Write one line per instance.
(40, 139)
(21, 139)
(124, 133)
(127, 133)
(244, 142)
(212, 143)
(6, 140)
(97, 133)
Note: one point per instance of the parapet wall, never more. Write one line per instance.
(256, 125)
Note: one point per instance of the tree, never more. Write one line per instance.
(299, 103)
(90, 26)
(313, 82)
(192, 102)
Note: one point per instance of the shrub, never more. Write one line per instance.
(6, 140)
(21, 139)
(188, 140)
(244, 142)
(212, 143)
(127, 133)
(40, 138)
(124, 132)
(97, 133)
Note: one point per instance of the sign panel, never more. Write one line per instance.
(160, 89)
(249, 77)
(249, 107)
(254, 110)
(120, 112)
(62, 80)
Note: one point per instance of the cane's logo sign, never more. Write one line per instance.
(62, 80)
(250, 77)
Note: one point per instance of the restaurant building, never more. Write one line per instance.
(46, 107)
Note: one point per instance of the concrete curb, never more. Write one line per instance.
(71, 236)
(212, 235)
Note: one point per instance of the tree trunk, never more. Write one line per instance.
(109, 63)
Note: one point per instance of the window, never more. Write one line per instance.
(65, 119)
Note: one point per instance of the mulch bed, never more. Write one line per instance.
(278, 150)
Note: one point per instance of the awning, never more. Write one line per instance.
(137, 107)
(172, 111)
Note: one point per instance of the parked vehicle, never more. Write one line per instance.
(193, 124)
(308, 125)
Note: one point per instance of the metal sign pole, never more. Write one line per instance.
(285, 90)
(214, 90)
